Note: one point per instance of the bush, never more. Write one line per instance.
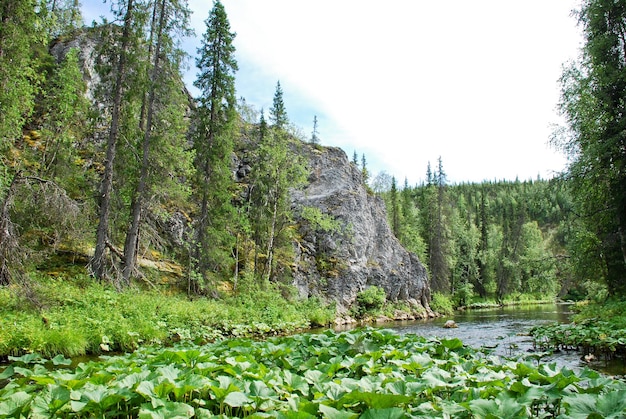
(441, 304)
(370, 301)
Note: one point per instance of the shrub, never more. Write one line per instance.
(370, 301)
(441, 304)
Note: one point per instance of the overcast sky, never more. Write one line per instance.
(407, 81)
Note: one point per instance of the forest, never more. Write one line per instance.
(105, 168)
(140, 222)
(489, 241)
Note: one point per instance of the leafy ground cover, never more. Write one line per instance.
(367, 373)
(598, 330)
(59, 316)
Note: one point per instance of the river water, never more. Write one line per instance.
(503, 331)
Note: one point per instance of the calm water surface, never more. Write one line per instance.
(504, 330)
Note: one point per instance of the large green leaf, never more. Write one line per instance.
(332, 413)
(391, 413)
(169, 410)
(237, 399)
(14, 404)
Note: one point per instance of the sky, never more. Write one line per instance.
(406, 82)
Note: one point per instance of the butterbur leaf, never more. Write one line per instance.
(609, 405)
(375, 400)
(452, 344)
(169, 410)
(7, 373)
(391, 413)
(237, 399)
(295, 415)
(61, 360)
(14, 405)
(332, 413)
(612, 404)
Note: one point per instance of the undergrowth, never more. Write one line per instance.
(82, 317)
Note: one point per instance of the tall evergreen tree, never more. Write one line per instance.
(213, 143)
(99, 264)
(173, 18)
(593, 102)
(278, 113)
(395, 208)
(19, 78)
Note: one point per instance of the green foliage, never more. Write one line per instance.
(501, 238)
(369, 302)
(592, 91)
(365, 373)
(442, 304)
(319, 221)
(85, 317)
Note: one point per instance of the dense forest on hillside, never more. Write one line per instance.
(487, 241)
(123, 169)
(128, 167)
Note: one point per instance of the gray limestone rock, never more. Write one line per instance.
(363, 251)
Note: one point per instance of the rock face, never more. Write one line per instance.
(363, 252)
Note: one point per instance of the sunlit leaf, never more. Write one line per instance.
(237, 399)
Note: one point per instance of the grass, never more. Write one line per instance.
(82, 317)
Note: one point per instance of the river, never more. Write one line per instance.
(504, 331)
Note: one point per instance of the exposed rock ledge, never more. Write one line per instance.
(337, 265)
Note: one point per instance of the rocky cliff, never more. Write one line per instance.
(337, 263)
(363, 251)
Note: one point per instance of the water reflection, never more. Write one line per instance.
(503, 331)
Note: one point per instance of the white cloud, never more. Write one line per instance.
(408, 81)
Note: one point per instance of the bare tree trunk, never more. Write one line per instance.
(8, 240)
(132, 237)
(98, 262)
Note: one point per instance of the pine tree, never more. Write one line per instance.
(395, 208)
(278, 114)
(213, 142)
(364, 172)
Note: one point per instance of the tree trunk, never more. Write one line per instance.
(98, 262)
(132, 237)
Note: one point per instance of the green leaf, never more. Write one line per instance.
(392, 413)
(169, 410)
(7, 373)
(452, 344)
(237, 399)
(15, 404)
(332, 413)
(61, 360)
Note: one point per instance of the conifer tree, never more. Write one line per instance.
(19, 78)
(213, 143)
(99, 264)
(364, 172)
(173, 18)
(593, 94)
(278, 113)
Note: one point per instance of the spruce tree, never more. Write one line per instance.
(278, 114)
(593, 93)
(214, 144)
(172, 19)
(19, 78)
(100, 262)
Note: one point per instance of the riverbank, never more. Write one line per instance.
(74, 317)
